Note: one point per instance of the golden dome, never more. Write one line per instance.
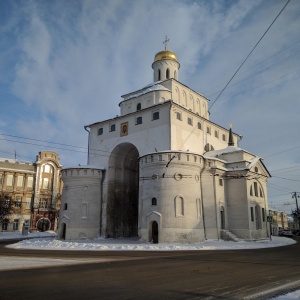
(165, 54)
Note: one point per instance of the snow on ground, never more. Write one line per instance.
(18, 235)
(292, 295)
(134, 244)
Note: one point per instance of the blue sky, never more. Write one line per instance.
(65, 64)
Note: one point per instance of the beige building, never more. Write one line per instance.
(165, 172)
(279, 221)
(34, 189)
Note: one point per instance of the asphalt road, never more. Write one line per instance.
(229, 274)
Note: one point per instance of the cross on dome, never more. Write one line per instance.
(165, 42)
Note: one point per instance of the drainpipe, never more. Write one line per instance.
(170, 125)
(215, 196)
(88, 160)
(201, 190)
(101, 199)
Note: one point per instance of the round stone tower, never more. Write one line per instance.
(81, 203)
(170, 197)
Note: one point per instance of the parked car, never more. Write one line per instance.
(286, 233)
(296, 232)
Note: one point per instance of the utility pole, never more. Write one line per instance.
(296, 195)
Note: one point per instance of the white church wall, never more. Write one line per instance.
(187, 134)
(146, 137)
(144, 101)
(210, 208)
(258, 208)
(239, 219)
(187, 98)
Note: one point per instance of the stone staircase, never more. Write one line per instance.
(226, 235)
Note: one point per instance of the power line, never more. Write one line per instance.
(286, 178)
(248, 55)
(43, 141)
(284, 168)
(258, 64)
(282, 151)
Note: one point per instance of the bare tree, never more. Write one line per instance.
(7, 208)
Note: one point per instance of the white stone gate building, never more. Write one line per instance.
(164, 172)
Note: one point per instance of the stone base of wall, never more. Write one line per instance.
(174, 235)
(81, 233)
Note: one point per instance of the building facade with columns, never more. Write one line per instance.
(164, 172)
(34, 188)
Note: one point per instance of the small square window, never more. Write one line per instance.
(178, 116)
(100, 131)
(223, 137)
(199, 125)
(139, 120)
(190, 121)
(155, 115)
(221, 181)
(113, 127)
(208, 130)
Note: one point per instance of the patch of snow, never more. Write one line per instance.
(149, 88)
(292, 295)
(19, 235)
(134, 244)
(229, 149)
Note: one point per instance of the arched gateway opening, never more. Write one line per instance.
(123, 192)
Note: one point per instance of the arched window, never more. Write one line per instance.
(154, 201)
(168, 74)
(222, 216)
(175, 74)
(179, 206)
(255, 189)
(139, 106)
(251, 191)
(159, 77)
(84, 210)
(208, 147)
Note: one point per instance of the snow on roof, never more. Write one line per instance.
(147, 89)
(229, 149)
